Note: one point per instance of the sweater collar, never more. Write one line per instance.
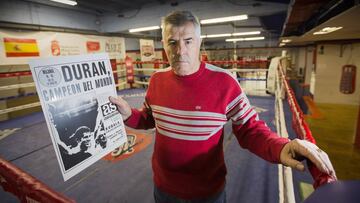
(193, 75)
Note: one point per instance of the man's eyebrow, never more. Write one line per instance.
(190, 38)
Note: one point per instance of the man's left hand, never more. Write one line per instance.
(296, 150)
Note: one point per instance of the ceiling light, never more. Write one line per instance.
(245, 39)
(286, 40)
(217, 35)
(229, 35)
(224, 19)
(326, 30)
(144, 29)
(68, 2)
(282, 44)
(246, 33)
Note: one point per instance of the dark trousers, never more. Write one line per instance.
(162, 197)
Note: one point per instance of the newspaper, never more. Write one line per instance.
(84, 126)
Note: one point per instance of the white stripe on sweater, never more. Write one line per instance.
(188, 129)
(189, 114)
(187, 137)
(187, 121)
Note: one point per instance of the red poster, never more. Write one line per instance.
(92, 46)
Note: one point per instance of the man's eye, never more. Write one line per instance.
(171, 42)
(188, 41)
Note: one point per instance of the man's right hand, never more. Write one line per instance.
(123, 107)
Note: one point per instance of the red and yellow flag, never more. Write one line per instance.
(20, 47)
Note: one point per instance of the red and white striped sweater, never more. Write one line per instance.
(189, 113)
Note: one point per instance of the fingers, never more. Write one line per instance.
(314, 154)
(302, 148)
(293, 163)
(118, 101)
(287, 158)
(123, 107)
(318, 157)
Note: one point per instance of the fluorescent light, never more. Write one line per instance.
(245, 39)
(327, 30)
(144, 29)
(246, 33)
(282, 44)
(229, 35)
(286, 40)
(254, 38)
(68, 2)
(224, 19)
(217, 35)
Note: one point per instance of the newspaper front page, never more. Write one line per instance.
(84, 126)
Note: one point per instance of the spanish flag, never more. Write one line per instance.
(20, 47)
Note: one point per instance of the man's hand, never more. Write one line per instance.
(123, 107)
(296, 150)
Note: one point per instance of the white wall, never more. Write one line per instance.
(301, 59)
(309, 63)
(132, 44)
(328, 73)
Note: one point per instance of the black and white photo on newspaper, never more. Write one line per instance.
(84, 126)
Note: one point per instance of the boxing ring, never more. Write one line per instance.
(29, 170)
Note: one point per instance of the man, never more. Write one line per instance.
(189, 103)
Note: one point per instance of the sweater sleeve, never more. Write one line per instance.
(140, 119)
(253, 134)
(143, 118)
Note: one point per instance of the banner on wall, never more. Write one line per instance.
(18, 47)
(147, 50)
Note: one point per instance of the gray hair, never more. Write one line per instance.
(180, 18)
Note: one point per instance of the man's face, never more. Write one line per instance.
(182, 47)
(87, 139)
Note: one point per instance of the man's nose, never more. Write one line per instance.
(181, 48)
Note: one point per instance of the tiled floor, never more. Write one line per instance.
(335, 133)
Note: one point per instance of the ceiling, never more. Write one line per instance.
(101, 7)
(308, 16)
(270, 22)
(297, 23)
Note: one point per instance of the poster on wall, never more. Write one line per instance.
(147, 50)
(92, 46)
(84, 126)
(18, 47)
(115, 46)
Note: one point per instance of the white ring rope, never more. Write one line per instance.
(120, 84)
(286, 187)
(23, 85)
(17, 108)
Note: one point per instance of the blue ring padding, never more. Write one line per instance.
(18, 96)
(250, 79)
(143, 76)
